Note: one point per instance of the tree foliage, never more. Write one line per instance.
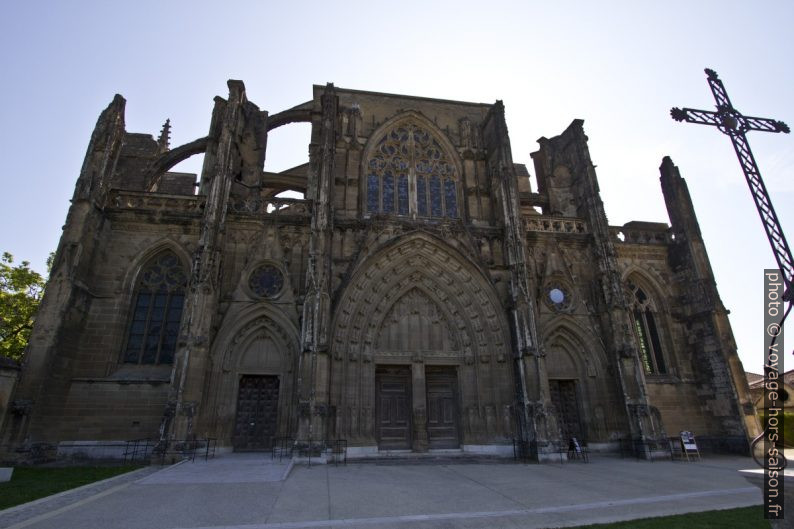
(20, 293)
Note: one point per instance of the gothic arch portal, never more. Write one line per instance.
(257, 341)
(578, 381)
(465, 330)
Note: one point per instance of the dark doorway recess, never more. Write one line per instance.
(257, 412)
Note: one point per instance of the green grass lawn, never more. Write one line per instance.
(744, 518)
(28, 484)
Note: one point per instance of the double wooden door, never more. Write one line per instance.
(395, 407)
(257, 412)
(563, 396)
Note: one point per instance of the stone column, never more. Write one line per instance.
(536, 419)
(642, 419)
(419, 406)
(314, 377)
(220, 166)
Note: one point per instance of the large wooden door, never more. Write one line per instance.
(442, 407)
(393, 394)
(563, 396)
(257, 412)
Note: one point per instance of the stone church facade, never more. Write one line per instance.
(420, 296)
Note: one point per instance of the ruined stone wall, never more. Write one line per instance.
(643, 258)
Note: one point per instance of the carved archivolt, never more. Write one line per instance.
(571, 349)
(419, 274)
(262, 327)
(416, 323)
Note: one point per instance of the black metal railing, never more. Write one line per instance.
(335, 449)
(524, 451)
(647, 449)
(282, 447)
(154, 450)
(138, 449)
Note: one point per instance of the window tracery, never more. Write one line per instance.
(157, 312)
(405, 159)
(266, 281)
(646, 331)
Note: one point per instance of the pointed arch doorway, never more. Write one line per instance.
(261, 402)
(419, 352)
(251, 390)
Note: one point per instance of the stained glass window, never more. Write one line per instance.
(435, 196)
(372, 193)
(388, 193)
(405, 152)
(402, 195)
(266, 281)
(647, 333)
(421, 196)
(450, 198)
(159, 298)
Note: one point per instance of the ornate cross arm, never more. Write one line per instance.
(729, 119)
(718, 89)
(766, 125)
(690, 115)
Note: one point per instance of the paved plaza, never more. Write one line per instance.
(251, 491)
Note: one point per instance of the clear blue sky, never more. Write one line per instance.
(620, 66)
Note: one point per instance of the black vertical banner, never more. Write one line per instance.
(773, 403)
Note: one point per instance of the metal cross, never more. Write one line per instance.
(731, 122)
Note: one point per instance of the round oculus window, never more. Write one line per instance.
(558, 296)
(266, 281)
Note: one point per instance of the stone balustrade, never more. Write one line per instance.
(272, 207)
(555, 224)
(136, 200)
(639, 235)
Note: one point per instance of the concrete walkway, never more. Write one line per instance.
(248, 491)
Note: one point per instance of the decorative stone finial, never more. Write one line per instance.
(164, 141)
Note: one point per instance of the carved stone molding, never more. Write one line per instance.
(555, 224)
(170, 204)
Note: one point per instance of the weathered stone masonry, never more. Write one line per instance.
(419, 296)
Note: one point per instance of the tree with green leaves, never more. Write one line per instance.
(20, 293)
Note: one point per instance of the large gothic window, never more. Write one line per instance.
(646, 331)
(159, 296)
(409, 173)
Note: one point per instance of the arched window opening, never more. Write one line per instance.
(182, 179)
(159, 298)
(646, 331)
(406, 158)
(288, 147)
(291, 193)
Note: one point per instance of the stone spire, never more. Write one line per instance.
(164, 141)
